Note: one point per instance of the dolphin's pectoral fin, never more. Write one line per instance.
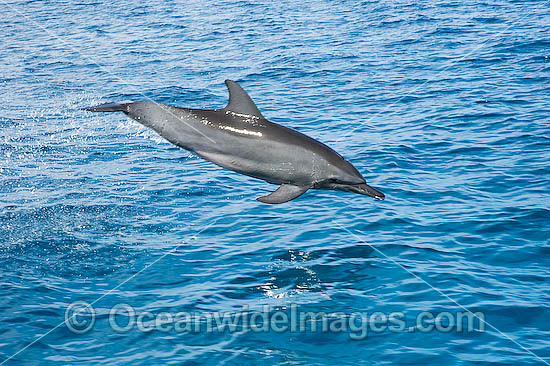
(108, 107)
(285, 193)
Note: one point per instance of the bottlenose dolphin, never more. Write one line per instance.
(239, 138)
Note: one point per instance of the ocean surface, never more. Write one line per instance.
(442, 105)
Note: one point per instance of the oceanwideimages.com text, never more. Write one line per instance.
(80, 317)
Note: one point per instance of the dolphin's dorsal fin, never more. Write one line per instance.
(239, 101)
(285, 193)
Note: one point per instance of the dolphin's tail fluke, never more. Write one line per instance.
(108, 107)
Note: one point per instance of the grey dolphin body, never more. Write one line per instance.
(239, 138)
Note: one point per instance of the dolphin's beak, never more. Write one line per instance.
(366, 190)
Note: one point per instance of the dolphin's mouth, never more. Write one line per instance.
(366, 190)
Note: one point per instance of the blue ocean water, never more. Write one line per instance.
(443, 106)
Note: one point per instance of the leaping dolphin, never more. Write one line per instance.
(239, 138)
